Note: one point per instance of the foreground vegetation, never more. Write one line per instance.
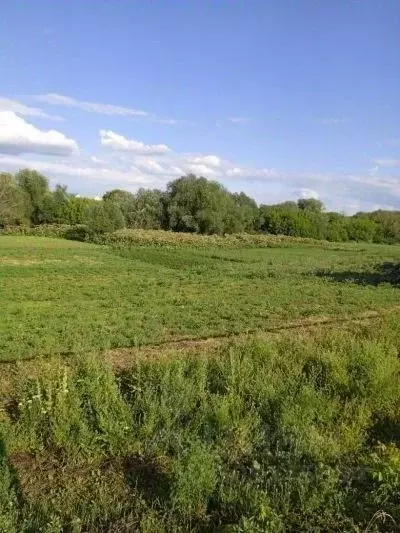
(296, 434)
(64, 297)
(190, 204)
(168, 382)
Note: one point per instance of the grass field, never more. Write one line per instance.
(63, 297)
(177, 389)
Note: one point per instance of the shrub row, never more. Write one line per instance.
(173, 239)
(141, 237)
(63, 231)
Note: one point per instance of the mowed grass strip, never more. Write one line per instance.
(61, 297)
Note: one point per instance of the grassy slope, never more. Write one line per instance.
(61, 297)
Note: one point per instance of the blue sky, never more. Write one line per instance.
(279, 98)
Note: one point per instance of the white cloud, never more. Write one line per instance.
(343, 192)
(201, 170)
(334, 120)
(235, 171)
(6, 104)
(169, 121)
(256, 174)
(211, 160)
(119, 143)
(173, 121)
(306, 193)
(233, 120)
(80, 169)
(131, 164)
(175, 170)
(238, 120)
(18, 136)
(148, 164)
(387, 162)
(97, 160)
(90, 107)
(394, 142)
(106, 109)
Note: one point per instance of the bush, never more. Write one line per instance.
(140, 237)
(63, 231)
(104, 217)
(194, 480)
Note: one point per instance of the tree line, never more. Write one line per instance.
(189, 204)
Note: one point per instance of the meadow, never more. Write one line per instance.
(62, 297)
(169, 388)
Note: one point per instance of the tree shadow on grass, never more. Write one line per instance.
(388, 272)
(10, 487)
(385, 429)
(147, 475)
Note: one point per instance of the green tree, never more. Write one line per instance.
(145, 209)
(388, 226)
(361, 229)
(125, 200)
(288, 218)
(247, 212)
(12, 201)
(61, 198)
(74, 211)
(149, 209)
(104, 217)
(337, 227)
(199, 205)
(53, 205)
(310, 204)
(36, 187)
(280, 219)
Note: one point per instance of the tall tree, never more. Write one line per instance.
(149, 210)
(199, 205)
(310, 204)
(247, 212)
(12, 201)
(104, 217)
(145, 209)
(36, 187)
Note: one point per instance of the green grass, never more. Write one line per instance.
(277, 436)
(61, 297)
(298, 432)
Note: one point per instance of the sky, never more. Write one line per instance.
(280, 99)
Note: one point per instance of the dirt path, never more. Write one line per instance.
(122, 358)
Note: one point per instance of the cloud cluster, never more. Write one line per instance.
(210, 160)
(81, 170)
(387, 162)
(131, 170)
(18, 137)
(131, 163)
(120, 143)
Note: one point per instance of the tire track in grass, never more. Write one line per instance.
(125, 357)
